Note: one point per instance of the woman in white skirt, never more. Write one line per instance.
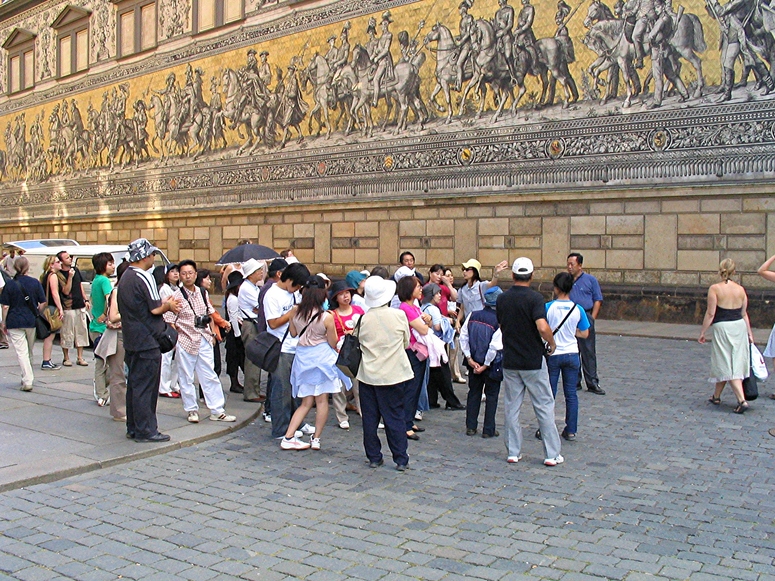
(314, 373)
(730, 355)
(767, 274)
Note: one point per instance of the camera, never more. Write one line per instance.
(202, 321)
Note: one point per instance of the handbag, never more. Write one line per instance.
(167, 339)
(750, 387)
(350, 354)
(51, 313)
(264, 351)
(758, 366)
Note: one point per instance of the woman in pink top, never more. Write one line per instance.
(314, 373)
(409, 291)
(346, 316)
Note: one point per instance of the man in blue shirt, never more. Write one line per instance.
(586, 292)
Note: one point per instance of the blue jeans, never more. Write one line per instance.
(569, 364)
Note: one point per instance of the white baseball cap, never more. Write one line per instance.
(522, 265)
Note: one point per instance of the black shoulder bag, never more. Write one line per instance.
(350, 354)
(42, 328)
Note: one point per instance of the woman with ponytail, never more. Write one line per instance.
(729, 357)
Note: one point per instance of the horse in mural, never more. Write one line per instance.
(259, 122)
(446, 69)
(317, 73)
(160, 124)
(491, 68)
(606, 37)
(354, 79)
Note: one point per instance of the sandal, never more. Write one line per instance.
(715, 400)
(741, 408)
(81, 362)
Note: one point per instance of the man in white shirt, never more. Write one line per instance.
(280, 306)
(247, 299)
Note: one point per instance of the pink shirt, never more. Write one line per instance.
(346, 323)
(411, 312)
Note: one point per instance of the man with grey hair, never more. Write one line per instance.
(522, 318)
(142, 324)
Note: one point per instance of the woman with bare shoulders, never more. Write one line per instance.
(727, 313)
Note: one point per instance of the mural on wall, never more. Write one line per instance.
(421, 69)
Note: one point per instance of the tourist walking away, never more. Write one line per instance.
(385, 368)
(314, 374)
(522, 318)
(104, 267)
(75, 330)
(568, 322)
(727, 313)
(346, 317)
(484, 363)
(22, 300)
(281, 303)
(586, 292)
(142, 321)
(194, 351)
(50, 282)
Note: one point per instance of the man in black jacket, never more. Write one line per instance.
(141, 311)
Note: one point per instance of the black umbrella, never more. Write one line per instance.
(245, 252)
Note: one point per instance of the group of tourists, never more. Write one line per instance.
(157, 333)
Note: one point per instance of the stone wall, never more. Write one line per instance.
(655, 252)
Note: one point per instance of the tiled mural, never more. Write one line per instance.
(428, 95)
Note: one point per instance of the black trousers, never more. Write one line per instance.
(386, 401)
(142, 392)
(588, 354)
(440, 382)
(235, 355)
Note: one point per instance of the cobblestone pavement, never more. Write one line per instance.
(659, 485)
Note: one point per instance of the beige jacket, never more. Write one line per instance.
(384, 336)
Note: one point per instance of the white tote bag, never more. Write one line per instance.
(757, 364)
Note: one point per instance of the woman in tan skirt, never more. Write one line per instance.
(727, 313)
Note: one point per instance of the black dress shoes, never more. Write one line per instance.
(155, 438)
(457, 406)
(377, 464)
(596, 390)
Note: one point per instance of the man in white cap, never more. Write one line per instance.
(141, 320)
(522, 318)
(247, 300)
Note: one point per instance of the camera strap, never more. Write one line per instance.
(190, 304)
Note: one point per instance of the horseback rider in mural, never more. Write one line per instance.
(254, 90)
(503, 24)
(464, 40)
(523, 33)
(264, 70)
(736, 22)
(382, 59)
(662, 57)
(371, 44)
(639, 18)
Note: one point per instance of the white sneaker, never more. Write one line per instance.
(223, 418)
(268, 418)
(293, 444)
(193, 417)
(554, 461)
(307, 430)
(418, 416)
(513, 459)
(345, 425)
(380, 426)
(315, 443)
